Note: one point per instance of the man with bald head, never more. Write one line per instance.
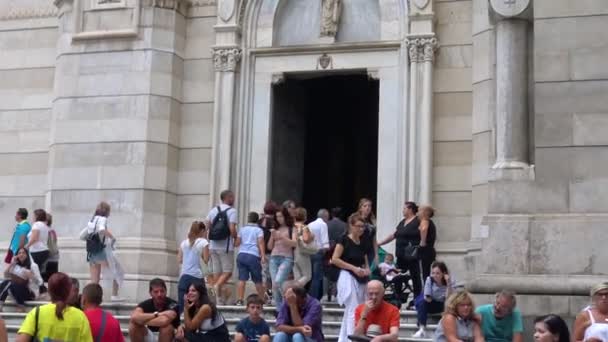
(318, 228)
(379, 313)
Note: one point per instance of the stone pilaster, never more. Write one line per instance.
(114, 133)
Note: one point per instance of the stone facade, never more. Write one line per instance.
(157, 105)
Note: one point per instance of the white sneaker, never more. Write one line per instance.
(420, 333)
(117, 299)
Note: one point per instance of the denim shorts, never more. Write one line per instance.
(98, 257)
(249, 264)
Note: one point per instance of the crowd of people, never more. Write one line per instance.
(291, 263)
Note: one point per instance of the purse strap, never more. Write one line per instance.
(35, 337)
(102, 329)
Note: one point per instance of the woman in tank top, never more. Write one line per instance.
(592, 323)
(202, 321)
(189, 255)
(459, 322)
(282, 242)
(364, 209)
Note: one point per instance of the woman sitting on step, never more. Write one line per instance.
(437, 287)
(591, 324)
(202, 320)
(459, 322)
(23, 280)
(56, 321)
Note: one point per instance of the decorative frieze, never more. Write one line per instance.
(226, 59)
(421, 49)
(13, 11)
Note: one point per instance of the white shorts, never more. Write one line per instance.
(222, 262)
(150, 336)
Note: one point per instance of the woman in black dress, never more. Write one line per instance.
(410, 238)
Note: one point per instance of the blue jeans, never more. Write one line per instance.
(280, 268)
(182, 288)
(424, 308)
(316, 284)
(297, 337)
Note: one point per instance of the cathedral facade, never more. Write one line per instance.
(493, 111)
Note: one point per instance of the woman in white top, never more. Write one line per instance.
(592, 324)
(52, 265)
(189, 255)
(37, 240)
(23, 280)
(103, 260)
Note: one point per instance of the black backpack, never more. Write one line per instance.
(220, 227)
(94, 243)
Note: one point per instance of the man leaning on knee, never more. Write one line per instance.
(157, 314)
(377, 313)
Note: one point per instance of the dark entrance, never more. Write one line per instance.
(325, 140)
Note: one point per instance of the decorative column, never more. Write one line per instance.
(511, 83)
(225, 62)
(422, 54)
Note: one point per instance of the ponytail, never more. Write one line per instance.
(60, 306)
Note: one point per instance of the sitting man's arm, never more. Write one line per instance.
(518, 326)
(361, 319)
(164, 318)
(392, 336)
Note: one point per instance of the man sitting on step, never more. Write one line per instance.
(157, 314)
(376, 312)
(104, 327)
(300, 316)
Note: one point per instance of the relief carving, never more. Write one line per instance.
(330, 17)
(421, 49)
(226, 59)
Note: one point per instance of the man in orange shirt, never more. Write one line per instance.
(376, 311)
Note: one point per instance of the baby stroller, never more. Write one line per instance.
(398, 289)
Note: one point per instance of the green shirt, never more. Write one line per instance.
(495, 330)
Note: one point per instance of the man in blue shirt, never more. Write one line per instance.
(300, 316)
(21, 230)
(501, 321)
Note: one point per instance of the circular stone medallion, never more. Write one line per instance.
(509, 8)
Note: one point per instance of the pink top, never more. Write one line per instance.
(281, 244)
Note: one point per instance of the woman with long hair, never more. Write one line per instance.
(551, 328)
(428, 235)
(202, 320)
(189, 254)
(437, 287)
(56, 321)
(350, 255)
(22, 280)
(103, 259)
(592, 322)
(267, 223)
(302, 268)
(459, 322)
(364, 209)
(37, 240)
(282, 242)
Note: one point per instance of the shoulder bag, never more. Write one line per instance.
(309, 248)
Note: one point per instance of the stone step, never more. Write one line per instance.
(332, 318)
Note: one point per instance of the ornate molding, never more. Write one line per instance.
(13, 12)
(226, 59)
(421, 49)
(511, 8)
(180, 6)
(202, 3)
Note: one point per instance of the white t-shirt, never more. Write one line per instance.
(249, 239)
(191, 257)
(43, 237)
(220, 245)
(319, 228)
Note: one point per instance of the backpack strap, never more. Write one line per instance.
(36, 324)
(102, 329)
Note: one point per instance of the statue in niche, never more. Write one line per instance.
(330, 17)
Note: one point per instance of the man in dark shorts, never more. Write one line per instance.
(157, 314)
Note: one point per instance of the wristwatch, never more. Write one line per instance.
(155, 314)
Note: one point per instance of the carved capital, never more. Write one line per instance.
(226, 59)
(421, 49)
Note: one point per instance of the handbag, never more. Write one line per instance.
(309, 248)
(411, 252)
(9, 254)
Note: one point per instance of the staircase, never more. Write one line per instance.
(332, 319)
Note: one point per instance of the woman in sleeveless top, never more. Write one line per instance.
(189, 255)
(282, 242)
(202, 320)
(592, 323)
(550, 328)
(459, 322)
(364, 209)
(302, 268)
(428, 235)
(407, 234)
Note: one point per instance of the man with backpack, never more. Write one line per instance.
(222, 221)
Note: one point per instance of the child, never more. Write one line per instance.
(387, 268)
(253, 328)
(252, 254)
